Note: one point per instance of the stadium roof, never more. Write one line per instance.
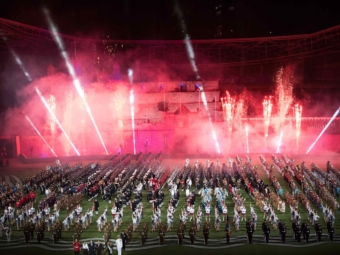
(29, 39)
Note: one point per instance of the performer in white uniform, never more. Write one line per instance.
(119, 243)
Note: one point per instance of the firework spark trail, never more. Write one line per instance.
(247, 142)
(329, 122)
(228, 104)
(298, 114)
(267, 112)
(36, 130)
(118, 104)
(239, 109)
(284, 96)
(55, 118)
(279, 142)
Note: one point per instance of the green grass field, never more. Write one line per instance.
(217, 243)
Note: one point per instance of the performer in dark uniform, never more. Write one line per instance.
(99, 248)
(32, 229)
(192, 235)
(227, 231)
(266, 233)
(206, 233)
(109, 248)
(123, 236)
(331, 232)
(38, 232)
(283, 232)
(180, 235)
(264, 225)
(92, 248)
(96, 205)
(250, 230)
(42, 230)
(318, 232)
(306, 233)
(143, 236)
(27, 232)
(303, 227)
(54, 234)
(161, 235)
(298, 233)
(294, 229)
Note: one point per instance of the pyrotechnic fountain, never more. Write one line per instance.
(228, 105)
(267, 112)
(284, 96)
(298, 113)
(117, 104)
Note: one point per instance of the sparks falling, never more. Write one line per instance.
(43, 100)
(118, 104)
(298, 114)
(228, 105)
(267, 112)
(247, 141)
(284, 95)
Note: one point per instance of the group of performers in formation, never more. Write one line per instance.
(191, 181)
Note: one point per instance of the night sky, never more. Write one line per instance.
(149, 19)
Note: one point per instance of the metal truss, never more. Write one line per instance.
(242, 51)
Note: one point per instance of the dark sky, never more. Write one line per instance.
(150, 19)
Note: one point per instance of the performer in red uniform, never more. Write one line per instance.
(76, 247)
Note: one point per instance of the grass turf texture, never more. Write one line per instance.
(23, 171)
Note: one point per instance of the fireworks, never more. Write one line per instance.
(298, 113)
(80, 101)
(284, 95)
(118, 104)
(267, 112)
(43, 100)
(279, 143)
(247, 142)
(228, 105)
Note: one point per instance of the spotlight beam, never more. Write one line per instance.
(17, 58)
(323, 131)
(55, 118)
(72, 72)
(191, 56)
(36, 130)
